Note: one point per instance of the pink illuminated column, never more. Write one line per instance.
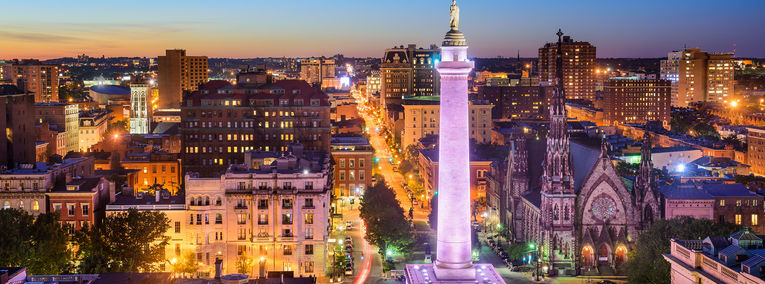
(453, 240)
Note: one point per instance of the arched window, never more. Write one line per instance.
(565, 213)
(207, 200)
(191, 201)
(556, 212)
(218, 201)
(199, 201)
(648, 214)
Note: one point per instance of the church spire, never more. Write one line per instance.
(644, 181)
(557, 165)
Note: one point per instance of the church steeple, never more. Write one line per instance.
(557, 172)
(644, 181)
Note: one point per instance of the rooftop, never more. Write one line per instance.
(110, 90)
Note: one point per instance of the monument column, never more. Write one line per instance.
(454, 231)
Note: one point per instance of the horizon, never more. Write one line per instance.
(361, 29)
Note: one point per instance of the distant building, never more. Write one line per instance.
(517, 102)
(636, 101)
(93, 125)
(140, 108)
(25, 188)
(315, 70)
(756, 149)
(699, 76)
(374, 83)
(408, 71)
(221, 122)
(178, 73)
(36, 77)
(273, 209)
(731, 203)
(17, 144)
(674, 159)
(421, 118)
(63, 117)
(480, 167)
(81, 200)
(578, 67)
(155, 167)
(353, 166)
(109, 94)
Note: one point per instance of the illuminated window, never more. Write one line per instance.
(754, 220)
(738, 219)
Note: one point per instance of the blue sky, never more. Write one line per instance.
(48, 28)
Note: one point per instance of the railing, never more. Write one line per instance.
(309, 206)
(240, 206)
(146, 207)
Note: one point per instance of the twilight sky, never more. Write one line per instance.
(258, 28)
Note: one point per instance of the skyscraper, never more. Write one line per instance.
(179, 73)
(698, 76)
(36, 77)
(578, 67)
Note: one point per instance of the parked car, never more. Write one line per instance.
(348, 240)
(348, 271)
(348, 225)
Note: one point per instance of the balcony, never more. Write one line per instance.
(261, 207)
(240, 207)
(309, 206)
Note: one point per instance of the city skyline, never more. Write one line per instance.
(238, 29)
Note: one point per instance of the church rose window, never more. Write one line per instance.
(603, 208)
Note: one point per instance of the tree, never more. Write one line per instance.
(243, 264)
(187, 265)
(40, 245)
(132, 241)
(627, 169)
(646, 264)
(412, 154)
(387, 226)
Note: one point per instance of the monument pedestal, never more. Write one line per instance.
(429, 273)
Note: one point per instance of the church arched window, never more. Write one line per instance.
(565, 213)
(556, 213)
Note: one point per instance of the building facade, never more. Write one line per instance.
(578, 67)
(63, 117)
(636, 101)
(177, 73)
(81, 201)
(140, 108)
(221, 122)
(33, 76)
(408, 71)
(353, 166)
(17, 144)
(699, 76)
(516, 102)
(275, 215)
(93, 125)
(315, 70)
(155, 167)
(422, 118)
(755, 154)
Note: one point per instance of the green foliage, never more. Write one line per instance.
(627, 169)
(411, 154)
(646, 264)
(706, 131)
(518, 250)
(187, 265)
(243, 264)
(132, 241)
(41, 245)
(387, 226)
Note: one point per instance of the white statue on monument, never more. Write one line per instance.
(454, 12)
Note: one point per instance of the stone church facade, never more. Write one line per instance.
(573, 203)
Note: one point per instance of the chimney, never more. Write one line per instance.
(156, 196)
(218, 268)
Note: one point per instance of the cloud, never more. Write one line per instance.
(37, 37)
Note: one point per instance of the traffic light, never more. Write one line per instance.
(377, 160)
(436, 192)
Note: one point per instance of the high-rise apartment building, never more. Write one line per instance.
(699, 76)
(422, 117)
(578, 67)
(314, 70)
(140, 108)
(17, 143)
(179, 73)
(408, 71)
(63, 117)
(517, 102)
(220, 122)
(273, 210)
(636, 101)
(34, 76)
